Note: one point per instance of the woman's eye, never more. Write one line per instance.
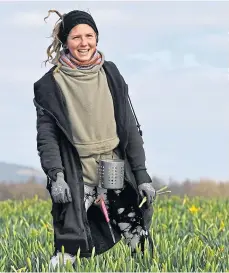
(78, 37)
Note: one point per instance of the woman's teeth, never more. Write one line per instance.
(83, 51)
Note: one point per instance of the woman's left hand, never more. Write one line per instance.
(147, 189)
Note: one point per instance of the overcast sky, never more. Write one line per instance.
(174, 57)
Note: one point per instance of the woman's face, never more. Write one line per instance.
(81, 42)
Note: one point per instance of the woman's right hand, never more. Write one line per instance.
(60, 190)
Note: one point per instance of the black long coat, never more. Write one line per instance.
(74, 227)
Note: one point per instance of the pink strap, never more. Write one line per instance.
(104, 209)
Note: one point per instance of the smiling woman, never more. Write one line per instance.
(84, 118)
(78, 41)
(81, 47)
(81, 42)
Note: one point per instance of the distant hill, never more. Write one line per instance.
(14, 173)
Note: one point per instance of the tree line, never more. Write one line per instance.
(204, 188)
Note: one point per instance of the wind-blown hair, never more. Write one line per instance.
(55, 46)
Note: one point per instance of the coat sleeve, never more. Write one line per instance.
(47, 144)
(135, 150)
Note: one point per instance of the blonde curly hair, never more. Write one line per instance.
(55, 46)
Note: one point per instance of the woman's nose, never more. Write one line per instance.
(83, 41)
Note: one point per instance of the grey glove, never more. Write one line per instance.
(147, 189)
(60, 190)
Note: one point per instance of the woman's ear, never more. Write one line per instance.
(97, 39)
(65, 48)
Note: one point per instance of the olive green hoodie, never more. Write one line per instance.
(91, 113)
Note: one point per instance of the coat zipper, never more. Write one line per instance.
(66, 134)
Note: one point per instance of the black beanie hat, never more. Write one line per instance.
(72, 19)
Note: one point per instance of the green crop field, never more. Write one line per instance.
(189, 235)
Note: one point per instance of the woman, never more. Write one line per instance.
(83, 116)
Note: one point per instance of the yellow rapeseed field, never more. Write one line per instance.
(189, 235)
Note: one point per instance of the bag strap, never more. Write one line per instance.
(138, 125)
